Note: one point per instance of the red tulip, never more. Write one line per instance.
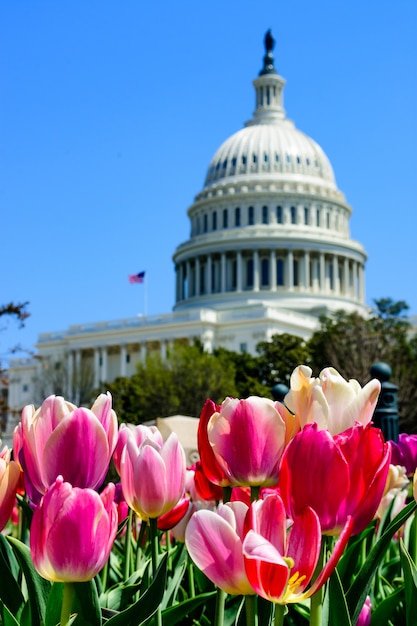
(338, 476)
(279, 562)
(9, 482)
(209, 464)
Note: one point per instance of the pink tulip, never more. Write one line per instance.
(415, 485)
(152, 475)
(140, 433)
(248, 438)
(214, 542)
(338, 476)
(9, 482)
(72, 532)
(61, 439)
(280, 562)
(364, 618)
(334, 403)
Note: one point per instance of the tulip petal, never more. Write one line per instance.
(304, 541)
(81, 465)
(9, 480)
(216, 549)
(173, 455)
(150, 483)
(267, 571)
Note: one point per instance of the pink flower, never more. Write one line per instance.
(338, 476)
(214, 542)
(72, 532)
(140, 433)
(152, 475)
(364, 618)
(61, 439)
(248, 438)
(9, 482)
(279, 562)
(334, 403)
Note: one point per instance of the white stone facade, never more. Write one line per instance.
(269, 251)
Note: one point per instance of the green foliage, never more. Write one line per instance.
(279, 357)
(178, 385)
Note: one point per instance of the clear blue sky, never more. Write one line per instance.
(110, 111)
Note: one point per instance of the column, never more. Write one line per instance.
(188, 275)
(123, 355)
(208, 274)
(322, 273)
(143, 352)
(104, 363)
(307, 277)
(77, 377)
(197, 276)
(178, 282)
(96, 367)
(356, 278)
(273, 270)
(290, 270)
(361, 284)
(163, 348)
(336, 278)
(346, 277)
(223, 272)
(256, 270)
(70, 368)
(239, 271)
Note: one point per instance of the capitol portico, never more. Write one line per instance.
(269, 250)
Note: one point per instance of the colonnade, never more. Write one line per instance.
(274, 270)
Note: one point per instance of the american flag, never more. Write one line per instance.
(137, 278)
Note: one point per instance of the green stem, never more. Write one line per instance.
(66, 604)
(153, 523)
(254, 492)
(227, 494)
(191, 585)
(251, 609)
(279, 616)
(316, 606)
(128, 545)
(220, 602)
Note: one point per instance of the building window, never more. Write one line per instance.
(251, 216)
(288, 158)
(205, 226)
(237, 216)
(265, 158)
(243, 347)
(214, 223)
(265, 273)
(280, 272)
(306, 215)
(279, 214)
(127, 358)
(328, 219)
(243, 159)
(265, 215)
(276, 157)
(234, 274)
(234, 161)
(25, 388)
(318, 217)
(249, 273)
(293, 211)
(198, 225)
(225, 218)
(202, 279)
(254, 158)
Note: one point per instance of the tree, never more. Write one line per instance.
(279, 357)
(179, 384)
(54, 378)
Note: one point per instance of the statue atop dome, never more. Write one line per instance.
(269, 43)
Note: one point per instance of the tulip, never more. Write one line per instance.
(214, 542)
(140, 433)
(364, 618)
(248, 438)
(415, 486)
(338, 476)
(206, 490)
(61, 439)
(175, 515)
(72, 532)
(405, 452)
(9, 482)
(331, 401)
(395, 492)
(152, 475)
(279, 562)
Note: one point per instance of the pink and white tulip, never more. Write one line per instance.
(152, 475)
(214, 542)
(59, 439)
(332, 402)
(248, 439)
(9, 481)
(72, 532)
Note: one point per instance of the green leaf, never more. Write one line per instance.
(359, 589)
(175, 614)
(85, 604)
(385, 612)
(38, 587)
(8, 619)
(147, 604)
(10, 593)
(338, 609)
(173, 584)
(410, 584)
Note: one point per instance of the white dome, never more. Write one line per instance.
(275, 147)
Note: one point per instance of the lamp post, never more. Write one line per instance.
(386, 412)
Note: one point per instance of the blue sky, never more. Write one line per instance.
(111, 110)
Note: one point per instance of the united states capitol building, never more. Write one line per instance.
(269, 250)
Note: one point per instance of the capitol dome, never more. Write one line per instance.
(270, 226)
